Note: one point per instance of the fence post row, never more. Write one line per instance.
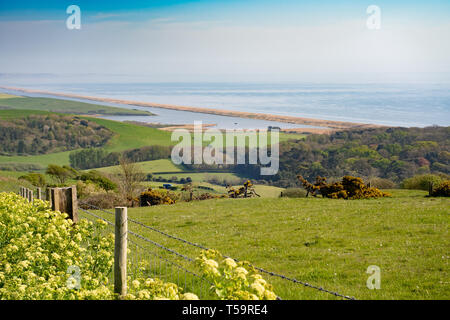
(30, 195)
(120, 251)
(65, 200)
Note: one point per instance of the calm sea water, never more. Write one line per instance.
(389, 104)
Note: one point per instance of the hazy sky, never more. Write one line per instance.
(227, 40)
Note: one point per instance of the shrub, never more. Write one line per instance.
(421, 182)
(349, 188)
(97, 178)
(87, 188)
(207, 196)
(156, 197)
(104, 200)
(381, 183)
(293, 193)
(36, 179)
(442, 190)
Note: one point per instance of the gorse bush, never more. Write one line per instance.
(349, 188)
(156, 197)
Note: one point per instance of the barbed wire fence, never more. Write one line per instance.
(149, 258)
(201, 247)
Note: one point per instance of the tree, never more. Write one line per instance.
(130, 177)
(58, 173)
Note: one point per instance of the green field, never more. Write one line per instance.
(162, 165)
(62, 106)
(325, 242)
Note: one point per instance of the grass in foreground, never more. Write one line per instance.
(329, 243)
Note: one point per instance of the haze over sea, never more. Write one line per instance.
(392, 104)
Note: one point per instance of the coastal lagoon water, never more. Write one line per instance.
(391, 104)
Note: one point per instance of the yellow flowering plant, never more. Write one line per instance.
(233, 280)
(43, 255)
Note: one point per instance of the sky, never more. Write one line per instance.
(216, 40)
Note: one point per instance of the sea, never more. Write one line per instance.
(391, 104)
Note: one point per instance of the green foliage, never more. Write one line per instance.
(36, 179)
(60, 174)
(96, 158)
(39, 134)
(442, 190)
(97, 178)
(389, 153)
(421, 182)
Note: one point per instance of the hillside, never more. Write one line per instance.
(41, 134)
(126, 136)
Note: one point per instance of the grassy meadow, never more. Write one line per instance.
(13, 102)
(325, 242)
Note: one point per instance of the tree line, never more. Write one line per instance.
(98, 157)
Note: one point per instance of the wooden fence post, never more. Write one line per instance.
(48, 194)
(21, 191)
(65, 200)
(27, 192)
(120, 251)
(38, 194)
(30, 195)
